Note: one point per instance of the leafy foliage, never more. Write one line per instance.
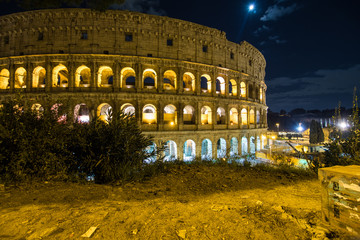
(36, 145)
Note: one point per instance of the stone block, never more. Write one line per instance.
(340, 197)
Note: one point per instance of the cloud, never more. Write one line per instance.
(144, 6)
(276, 11)
(277, 39)
(323, 89)
(261, 29)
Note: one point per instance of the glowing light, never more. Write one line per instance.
(273, 137)
(251, 7)
(84, 119)
(300, 128)
(172, 123)
(343, 125)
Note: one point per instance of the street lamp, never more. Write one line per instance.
(277, 125)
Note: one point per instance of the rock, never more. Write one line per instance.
(42, 233)
(259, 203)
(89, 232)
(2, 187)
(182, 233)
(135, 231)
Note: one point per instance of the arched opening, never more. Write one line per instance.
(189, 115)
(206, 149)
(60, 77)
(81, 113)
(105, 77)
(149, 78)
(170, 151)
(104, 112)
(82, 76)
(232, 87)
(244, 145)
(234, 146)
(258, 143)
(170, 114)
(220, 116)
(220, 85)
(39, 76)
(221, 148)
(252, 145)
(234, 116)
(252, 116)
(244, 117)
(206, 115)
(243, 89)
(263, 141)
(128, 77)
(149, 114)
(20, 78)
(261, 95)
(257, 92)
(169, 80)
(151, 150)
(189, 81)
(251, 91)
(257, 117)
(4, 79)
(37, 109)
(189, 150)
(59, 111)
(205, 82)
(128, 109)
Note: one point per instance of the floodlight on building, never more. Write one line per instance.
(343, 125)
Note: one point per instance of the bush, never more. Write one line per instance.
(37, 146)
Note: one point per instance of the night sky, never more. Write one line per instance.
(312, 47)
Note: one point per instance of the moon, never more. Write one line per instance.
(251, 7)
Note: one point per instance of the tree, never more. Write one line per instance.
(316, 133)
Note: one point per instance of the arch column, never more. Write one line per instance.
(138, 79)
(213, 84)
(116, 82)
(248, 145)
(198, 146)
(214, 147)
(197, 83)
(29, 76)
(160, 80)
(180, 87)
(48, 79)
(93, 78)
(226, 78)
(180, 150)
(71, 79)
(12, 77)
(160, 116)
(181, 116)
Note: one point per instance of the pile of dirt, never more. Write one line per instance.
(187, 202)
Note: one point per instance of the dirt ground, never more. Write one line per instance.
(189, 202)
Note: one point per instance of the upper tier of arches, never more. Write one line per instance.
(114, 32)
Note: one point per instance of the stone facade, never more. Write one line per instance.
(183, 81)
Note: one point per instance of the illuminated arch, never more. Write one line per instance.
(234, 144)
(206, 115)
(189, 150)
(220, 116)
(169, 80)
(128, 109)
(252, 145)
(128, 77)
(149, 78)
(20, 78)
(58, 110)
(81, 113)
(60, 76)
(189, 81)
(234, 116)
(82, 76)
(149, 114)
(244, 145)
(252, 116)
(4, 79)
(232, 87)
(151, 149)
(39, 75)
(206, 149)
(189, 115)
(205, 83)
(104, 111)
(221, 148)
(243, 89)
(258, 143)
(170, 151)
(244, 117)
(220, 85)
(257, 116)
(105, 76)
(261, 95)
(170, 114)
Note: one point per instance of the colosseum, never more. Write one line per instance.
(186, 84)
